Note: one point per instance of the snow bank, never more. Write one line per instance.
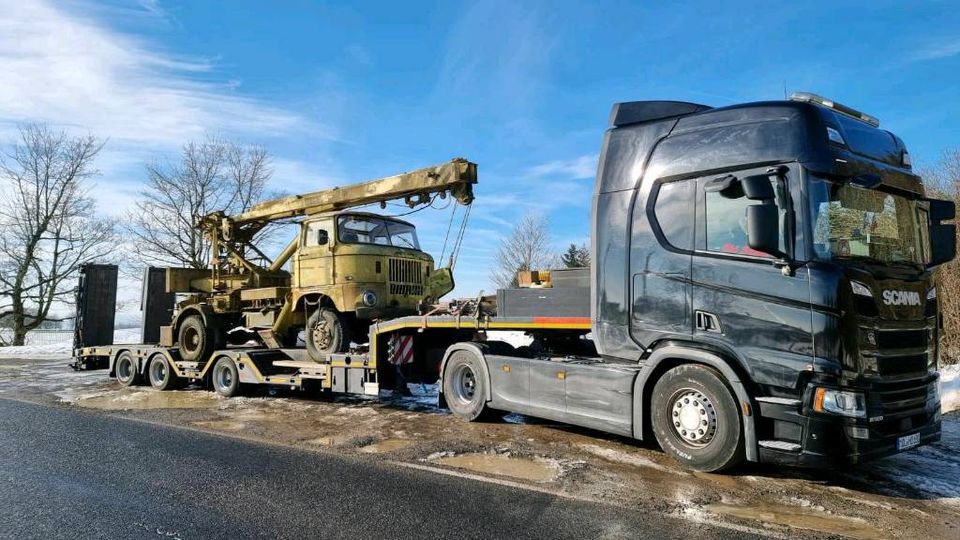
(63, 349)
(950, 388)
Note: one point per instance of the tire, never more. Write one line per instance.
(195, 339)
(161, 374)
(465, 388)
(225, 377)
(326, 333)
(696, 419)
(125, 369)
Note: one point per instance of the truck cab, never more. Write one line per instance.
(787, 246)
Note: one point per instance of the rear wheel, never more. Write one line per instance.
(125, 368)
(196, 340)
(161, 373)
(326, 333)
(465, 388)
(226, 379)
(696, 419)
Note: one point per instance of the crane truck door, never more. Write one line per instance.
(743, 301)
(315, 257)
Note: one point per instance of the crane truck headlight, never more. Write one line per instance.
(829, 400)
(369, 298)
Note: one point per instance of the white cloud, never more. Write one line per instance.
(569, 169)
(73, 71)
(942, 49)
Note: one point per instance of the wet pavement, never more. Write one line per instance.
(910, 495)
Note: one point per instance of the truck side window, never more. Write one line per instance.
(674, 212)
(316, 235)
(726, 222)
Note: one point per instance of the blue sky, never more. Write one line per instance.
(347, 91)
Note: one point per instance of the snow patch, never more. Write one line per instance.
(64, 349)
(950, 388)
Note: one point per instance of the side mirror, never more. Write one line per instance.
(758, 187)
(322, 237)
(763, 228)
(943, 236)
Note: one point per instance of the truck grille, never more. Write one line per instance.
(897, 352)
(406, 277)
(901, 397)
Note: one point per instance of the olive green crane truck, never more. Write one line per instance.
(345, 269)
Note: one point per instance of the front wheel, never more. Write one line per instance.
(326, 334)
(696, 419)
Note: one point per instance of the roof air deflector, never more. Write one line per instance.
(635, 112)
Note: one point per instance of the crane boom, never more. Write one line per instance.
(231, 236)
(456, 176)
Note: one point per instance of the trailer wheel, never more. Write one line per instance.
(195, 339)
(161, 373)
(325, 334)
(226, 378)
(464, 388)
(696, 419)
(125, 369)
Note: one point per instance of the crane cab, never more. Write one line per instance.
(365, 264)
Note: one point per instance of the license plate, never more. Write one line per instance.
(908, 441)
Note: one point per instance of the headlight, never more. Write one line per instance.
(840, 402)
(369, 298)
(932, 294)
(860, 288)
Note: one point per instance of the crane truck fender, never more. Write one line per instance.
(695, 356)
(476, 349)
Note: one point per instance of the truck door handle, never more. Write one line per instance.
(708, 322)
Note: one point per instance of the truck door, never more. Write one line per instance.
(315, 256)
(660, 251)
(742, 300)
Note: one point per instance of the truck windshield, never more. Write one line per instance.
(849, 222)
(376, 230)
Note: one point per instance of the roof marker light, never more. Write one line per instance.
(807, 97)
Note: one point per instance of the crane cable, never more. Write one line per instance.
(447, 236)
(463, 229)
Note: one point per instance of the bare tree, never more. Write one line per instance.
(527, 248)
(48, 222)
(213, 175)
(943, 180)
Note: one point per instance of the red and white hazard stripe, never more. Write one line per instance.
(401, 349)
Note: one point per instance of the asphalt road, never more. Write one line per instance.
(66, 473)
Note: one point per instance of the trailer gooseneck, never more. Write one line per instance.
(761, 289)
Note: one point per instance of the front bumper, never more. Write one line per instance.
(828, 441)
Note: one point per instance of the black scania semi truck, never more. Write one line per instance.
(761, 289)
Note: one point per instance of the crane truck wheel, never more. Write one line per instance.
(161, 374)
(226, 378)
(696, 419)
(125, 369)
(195, 339)
(465, 388)
(325, 334)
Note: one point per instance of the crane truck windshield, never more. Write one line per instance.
(850, 222)
(357, 229)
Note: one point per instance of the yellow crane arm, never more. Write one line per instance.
(456, 177)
